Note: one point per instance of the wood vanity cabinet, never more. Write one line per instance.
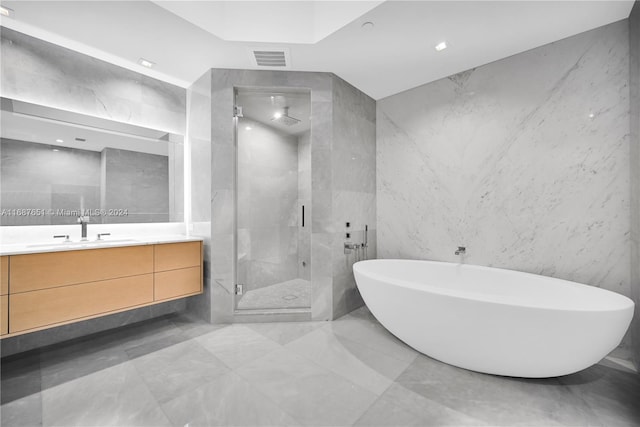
(54, 288)
(177, 270)
(4, 295)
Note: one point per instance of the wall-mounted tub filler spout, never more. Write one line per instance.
(461, 250)
(83, 221)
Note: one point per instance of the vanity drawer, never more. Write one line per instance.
(4, 275)
(178, 283)
(53, 269)
(171, 256)
(40, 308)
(4, 314)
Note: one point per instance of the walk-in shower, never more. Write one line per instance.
(273, 199)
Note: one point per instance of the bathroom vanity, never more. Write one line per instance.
(50, 285)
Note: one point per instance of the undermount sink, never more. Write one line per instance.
(82, 244)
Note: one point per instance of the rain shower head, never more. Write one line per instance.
(284, 118)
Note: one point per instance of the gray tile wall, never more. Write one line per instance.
(525, 161)
(353, 169)
(634, 57)
(199, 140)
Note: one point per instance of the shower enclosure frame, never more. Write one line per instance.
(221, 274)
(295, 312)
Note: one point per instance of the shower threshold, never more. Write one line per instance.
(288, 295)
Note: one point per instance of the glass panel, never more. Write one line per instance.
(273, 190)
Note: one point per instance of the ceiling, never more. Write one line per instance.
(395, 55)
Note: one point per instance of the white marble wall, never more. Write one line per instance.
(634, 69)
(524, 161)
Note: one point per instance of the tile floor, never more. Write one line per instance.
(175, 371)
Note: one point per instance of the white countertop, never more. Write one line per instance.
(107, 242)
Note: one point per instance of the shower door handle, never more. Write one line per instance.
(303, 215)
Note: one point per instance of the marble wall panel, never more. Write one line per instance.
(353, 184)
(200, 158)
(634, 85)
(524, 161)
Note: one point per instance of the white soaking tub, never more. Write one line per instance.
(491, 320)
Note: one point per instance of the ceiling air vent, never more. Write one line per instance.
(270, 57)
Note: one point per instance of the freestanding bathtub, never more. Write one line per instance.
(491, 320)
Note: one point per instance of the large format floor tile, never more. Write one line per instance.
(311, 394)
(400, 406)
(237, 344)
(226, 401)
(360, 364)
(496, 400)
(23, 412)
(115, 396)
(179, 371)
(367, 331)
(285, 332)
(176, 369)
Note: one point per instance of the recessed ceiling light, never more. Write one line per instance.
(247, 128)
(591, 115)
(55, 149)
(368, 26)
(5, 11)
(146, 63)
(441, 46)
(277, 115)
(59, 140)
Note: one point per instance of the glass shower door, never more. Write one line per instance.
(273, 186)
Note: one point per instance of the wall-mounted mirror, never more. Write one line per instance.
(56, 165)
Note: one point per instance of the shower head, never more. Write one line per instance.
(284, 118)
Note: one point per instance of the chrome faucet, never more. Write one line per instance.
(83, 221)
(461, 250)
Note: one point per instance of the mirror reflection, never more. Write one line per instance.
(57, 165)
